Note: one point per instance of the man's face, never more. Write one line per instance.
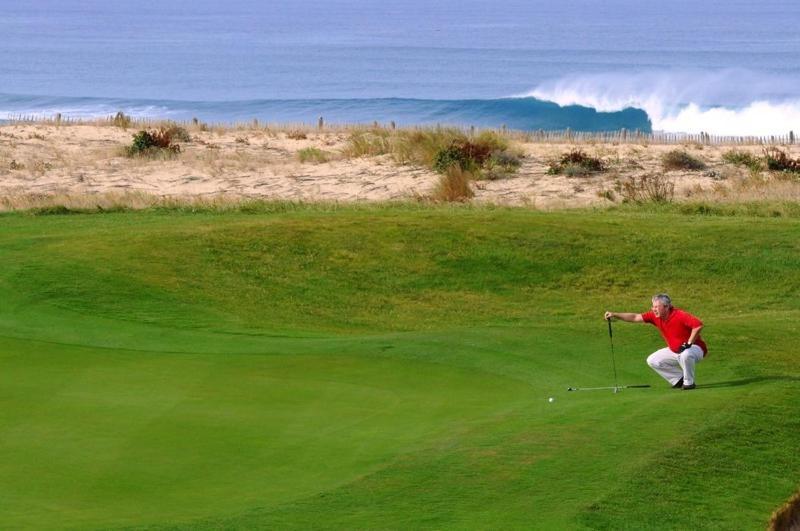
(660, 309)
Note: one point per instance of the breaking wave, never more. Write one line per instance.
(730, 102)
(516, 113)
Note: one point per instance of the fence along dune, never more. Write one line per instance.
(540, 135)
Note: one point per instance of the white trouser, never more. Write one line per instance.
(673, 366)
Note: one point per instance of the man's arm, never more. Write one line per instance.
(627, 317)
(695, 334)
(695, 324)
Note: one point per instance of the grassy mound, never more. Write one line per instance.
(389, 367)
(679, 159)
(576, 163)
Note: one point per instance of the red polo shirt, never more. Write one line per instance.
(676, 328)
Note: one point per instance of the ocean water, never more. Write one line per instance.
(719, 66)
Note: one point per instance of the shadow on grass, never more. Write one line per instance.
(748, 381)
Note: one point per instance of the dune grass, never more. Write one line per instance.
(485, 154)
(313, 155)
(680, 159)
(389, 367)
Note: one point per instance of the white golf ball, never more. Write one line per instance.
(551, 399)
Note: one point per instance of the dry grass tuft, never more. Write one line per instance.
(122, 120)
(313, 155)
(368, 143)
(647, 188)
(453, 186)
(752, 188)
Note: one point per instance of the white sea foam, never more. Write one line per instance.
(80, 111)
(730, 102)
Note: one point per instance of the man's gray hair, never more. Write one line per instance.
(663, 298)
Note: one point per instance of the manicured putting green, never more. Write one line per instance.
(149, 432)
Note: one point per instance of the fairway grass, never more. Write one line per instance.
(389, 367)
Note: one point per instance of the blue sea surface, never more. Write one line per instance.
(725, 67)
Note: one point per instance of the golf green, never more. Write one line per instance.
(390, 367)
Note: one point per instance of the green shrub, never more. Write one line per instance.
(739, 158)
(576, 163)
(678, 159)
(153, 144)
(142, 141)
(500, 165)
(743, 158)
(448, 157)
(462, 153)
(778, 160)
(470, 155)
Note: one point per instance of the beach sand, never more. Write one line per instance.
(49, 160)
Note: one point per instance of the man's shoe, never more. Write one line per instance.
(678, 384)
(689, 387)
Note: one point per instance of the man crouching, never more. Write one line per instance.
(681, 331)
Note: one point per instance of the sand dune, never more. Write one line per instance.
(88, 160)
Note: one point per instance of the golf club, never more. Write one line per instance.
(612, 387)
(613, 362)
(616, 386)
